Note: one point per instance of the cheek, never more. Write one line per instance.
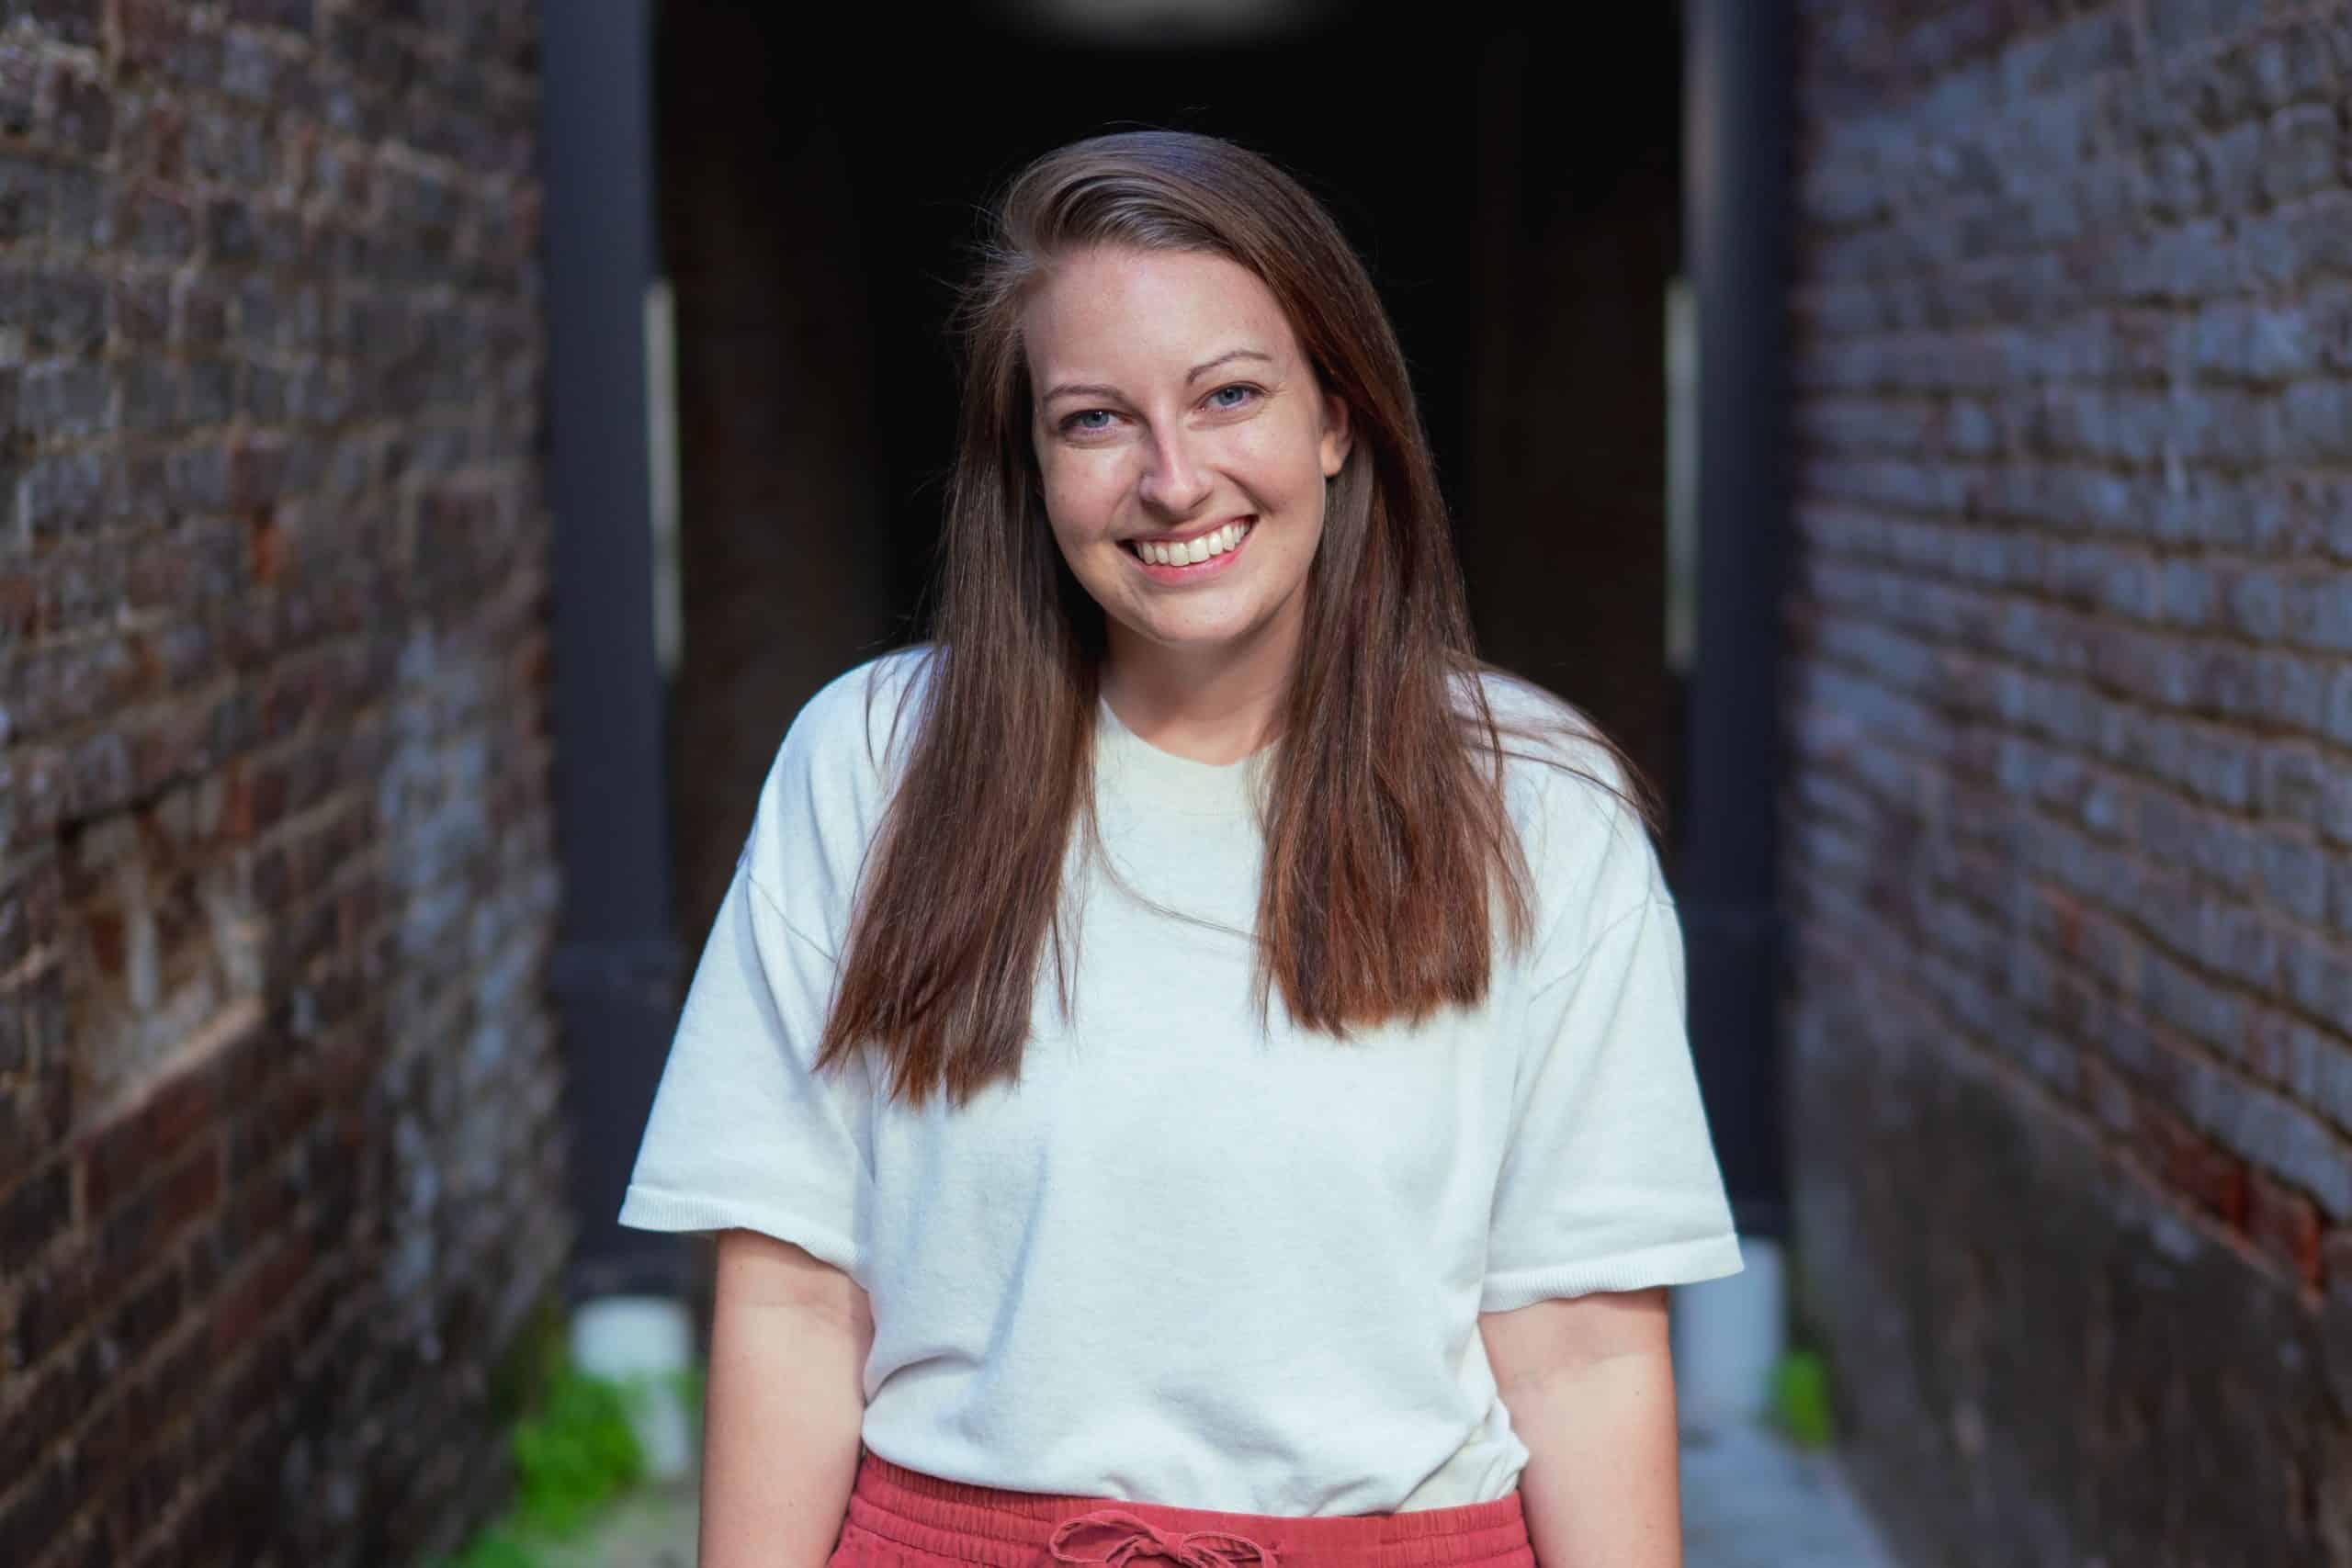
(1280, 461)
(1083, 491)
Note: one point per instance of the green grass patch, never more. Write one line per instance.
(576, 1454)
(1800, 1400)
(574, 1451)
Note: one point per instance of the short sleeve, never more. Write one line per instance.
(744, 1131)
(1609, 1180)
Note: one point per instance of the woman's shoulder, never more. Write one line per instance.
(1566, 787)
(825, 791)
(1546, 739)
(850, 736)
(864, 702)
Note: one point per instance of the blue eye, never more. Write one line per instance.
(1078, 423)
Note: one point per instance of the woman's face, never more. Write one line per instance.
(1173, 406)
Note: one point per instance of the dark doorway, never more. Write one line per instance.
(1515, 184)
(1512, 184)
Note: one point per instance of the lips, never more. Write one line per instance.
(1193, 557)
(1189, 534)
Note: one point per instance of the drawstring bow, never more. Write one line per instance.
(1117, 1536)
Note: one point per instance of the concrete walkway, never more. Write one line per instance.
(1749, 1500)
(653, 1528)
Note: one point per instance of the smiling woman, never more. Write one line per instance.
(1319, 1209)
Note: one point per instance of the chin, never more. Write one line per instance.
(1197, 638)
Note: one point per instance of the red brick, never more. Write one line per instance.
(143, 1226)
(2208, 1175)
(2286, 1224)
(54, 1300)
(32, 1117)
(238, 1315)
(237, 812)
(37, 1408)
(2336, 1257)
(132, 1147)
(268, 548)
(110, 942)
(40, 1209)
(38, 1507)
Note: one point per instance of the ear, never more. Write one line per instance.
(1337, 439)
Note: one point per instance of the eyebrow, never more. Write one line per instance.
(1097, 389)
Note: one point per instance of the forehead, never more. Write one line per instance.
(1143, 310)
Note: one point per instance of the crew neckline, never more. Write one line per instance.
(1154, 774)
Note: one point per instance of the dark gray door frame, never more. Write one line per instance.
(1736, 90)
(616, 972)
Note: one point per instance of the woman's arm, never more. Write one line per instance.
(783, 1405)
(1590, 1383)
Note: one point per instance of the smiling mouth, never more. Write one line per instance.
(1198, 550)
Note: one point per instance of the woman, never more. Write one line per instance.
(1320, 1209)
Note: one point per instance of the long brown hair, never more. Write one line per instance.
(1386, 829)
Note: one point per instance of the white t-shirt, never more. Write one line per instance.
(1182, 1260)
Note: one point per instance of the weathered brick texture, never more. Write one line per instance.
(280, 1159)
(2069, 808)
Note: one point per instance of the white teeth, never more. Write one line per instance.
(1200, 549)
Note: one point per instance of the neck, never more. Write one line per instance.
(1213, 705)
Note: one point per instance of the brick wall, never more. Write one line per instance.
(279, 1163)
(2069, 808)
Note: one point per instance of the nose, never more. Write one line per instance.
(1175, 482)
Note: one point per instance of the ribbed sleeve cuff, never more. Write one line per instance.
(647, 1208)
(1675, 1263)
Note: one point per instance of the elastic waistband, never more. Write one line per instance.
(1007, 1529)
